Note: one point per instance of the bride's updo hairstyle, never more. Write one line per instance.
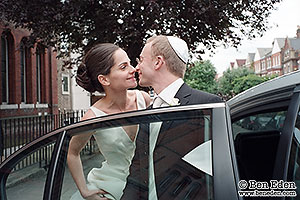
(98, 60)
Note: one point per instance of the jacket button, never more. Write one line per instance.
(145, 152)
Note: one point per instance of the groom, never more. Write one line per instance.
(161, 65)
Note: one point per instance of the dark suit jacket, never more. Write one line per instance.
(175, 140)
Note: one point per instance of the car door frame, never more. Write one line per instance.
(222, 151)
(285, 142)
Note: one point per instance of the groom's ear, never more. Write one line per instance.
(159, 62)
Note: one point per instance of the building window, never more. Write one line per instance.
(23, 56)
(268, 63)
(38, 74)
(263, 65)
(4, 69)
(65, 84)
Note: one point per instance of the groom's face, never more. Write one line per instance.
(145, 67)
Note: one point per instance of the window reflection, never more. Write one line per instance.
(176, 174)
(259, 122)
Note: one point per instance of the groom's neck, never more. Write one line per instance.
(163, 83)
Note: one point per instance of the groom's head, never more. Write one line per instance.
(162, 56)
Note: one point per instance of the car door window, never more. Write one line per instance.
(182, 157)
(28, 177)
(294, 162)
(256, 140)
(259, 122)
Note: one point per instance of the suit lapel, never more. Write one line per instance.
(183, 95)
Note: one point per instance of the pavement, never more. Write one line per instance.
(28, 183)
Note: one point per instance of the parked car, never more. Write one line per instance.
(253, 137)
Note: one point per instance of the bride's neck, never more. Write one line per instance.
(117, 99)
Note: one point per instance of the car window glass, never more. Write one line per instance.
(182, 157)
(259, 122)
(256, 140)
(27, 179)
(294, 162)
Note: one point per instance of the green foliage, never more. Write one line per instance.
(72, 26)
(245, 82)
(225, 83)
(238, 80)
(201, 75)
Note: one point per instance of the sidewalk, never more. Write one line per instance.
(28, 183)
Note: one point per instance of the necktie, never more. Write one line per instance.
(154, 131)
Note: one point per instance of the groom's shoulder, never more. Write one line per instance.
(199, 96)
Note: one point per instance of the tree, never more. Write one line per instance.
(76, 25)
(238, 80)
(245, 82)
(226, 82)
(201, 75)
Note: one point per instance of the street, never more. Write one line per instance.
(31, 186)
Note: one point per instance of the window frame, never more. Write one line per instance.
(6, 46)
(63, 84)
(38, 74)
(23, 70)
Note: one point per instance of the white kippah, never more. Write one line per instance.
(180, 47)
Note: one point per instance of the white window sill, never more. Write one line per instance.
(41, 105)
(24, 105)
(8, 106)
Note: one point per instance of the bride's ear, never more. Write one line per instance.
(103, 80)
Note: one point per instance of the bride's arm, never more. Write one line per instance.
(74, 162)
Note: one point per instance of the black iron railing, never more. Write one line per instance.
(18, 131)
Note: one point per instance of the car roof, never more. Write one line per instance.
(289, 80)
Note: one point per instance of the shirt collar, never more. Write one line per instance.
(169, 92)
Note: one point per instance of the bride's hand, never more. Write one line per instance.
(95, 195)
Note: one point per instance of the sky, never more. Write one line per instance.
(283, 22)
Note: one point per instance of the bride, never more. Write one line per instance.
(106, 68)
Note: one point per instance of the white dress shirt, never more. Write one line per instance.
(168, 94)
(164, 98)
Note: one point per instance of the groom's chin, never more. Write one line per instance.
(143, 84)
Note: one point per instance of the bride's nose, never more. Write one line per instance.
(132, 69)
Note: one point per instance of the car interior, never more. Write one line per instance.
(255, 154)
(256, 139)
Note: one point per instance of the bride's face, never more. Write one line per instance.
(122, 74)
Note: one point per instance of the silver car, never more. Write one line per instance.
(246, 144)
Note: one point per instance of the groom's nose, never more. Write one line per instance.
(137, 68)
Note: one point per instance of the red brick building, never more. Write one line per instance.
(291, 53)
(28, 76)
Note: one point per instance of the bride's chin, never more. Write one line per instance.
(132, 86)
(135, 83)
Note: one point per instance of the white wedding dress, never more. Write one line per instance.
(118, 150)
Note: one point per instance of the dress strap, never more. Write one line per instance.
(97, 112)
(141, 103)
